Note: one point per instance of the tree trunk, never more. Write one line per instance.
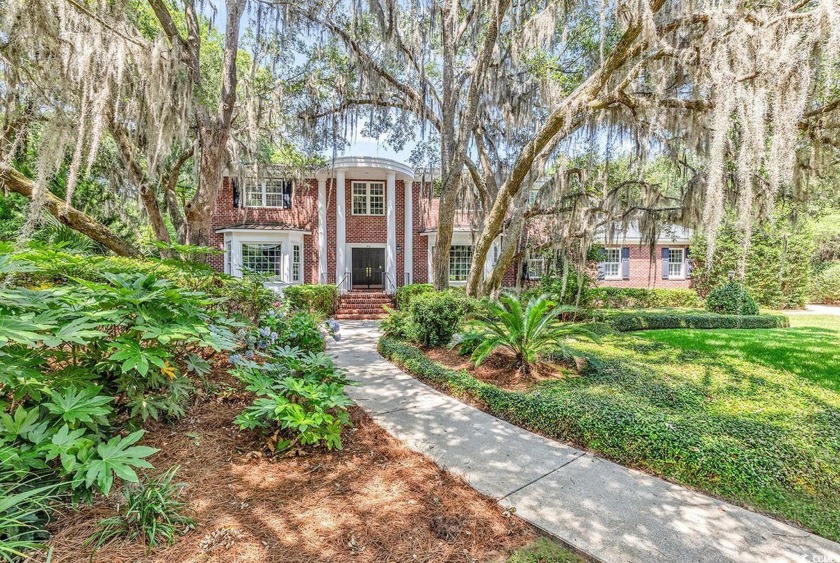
(508, 254)
(68, 215)
(198, 212)
(443, 242)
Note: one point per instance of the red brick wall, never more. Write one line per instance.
(302, 215)
(647, 274)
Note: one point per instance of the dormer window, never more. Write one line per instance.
(270, 192)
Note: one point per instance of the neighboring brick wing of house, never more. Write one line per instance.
(636, 269)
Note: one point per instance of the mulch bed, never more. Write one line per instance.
(498, 369)
(373, 501)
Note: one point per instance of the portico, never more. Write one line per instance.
(363, 202)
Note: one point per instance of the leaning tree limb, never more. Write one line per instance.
(14, 181)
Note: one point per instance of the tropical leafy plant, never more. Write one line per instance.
(152, 511)
(529, 333)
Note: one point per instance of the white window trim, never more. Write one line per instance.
(618, 275)
(262, 186)
(542, 268)
(367, 196)
(681, 275)
(287, 239)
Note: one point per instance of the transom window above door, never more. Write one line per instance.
(269, 192)
(368, 198)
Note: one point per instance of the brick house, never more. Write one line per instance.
(368, 223)
(628, 261)
(361, 223)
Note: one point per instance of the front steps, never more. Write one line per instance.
(363, 305)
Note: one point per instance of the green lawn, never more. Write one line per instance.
(809, 349)
(757, 411)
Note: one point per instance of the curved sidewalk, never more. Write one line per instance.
(603, 509)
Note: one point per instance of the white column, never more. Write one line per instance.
(322, 230)
(340, 233)
(391, 246)
(408, 250)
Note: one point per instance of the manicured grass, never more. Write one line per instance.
(544, 551)
(741, 414)
(809, 349)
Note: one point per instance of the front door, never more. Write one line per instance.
(368, 265)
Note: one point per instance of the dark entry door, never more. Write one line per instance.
(368, 265)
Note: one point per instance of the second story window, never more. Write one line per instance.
(270, 192)
(368, 198)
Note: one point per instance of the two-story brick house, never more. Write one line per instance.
(367, 223)
(361, 223)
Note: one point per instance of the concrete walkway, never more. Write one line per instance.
(601, 508)
(833, 310)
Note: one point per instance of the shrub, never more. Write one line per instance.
(528, 333)
(407, 293)
(397, 324)
(731, 299)
(152, 511)
(298, 329)
(436, 317)
(625, 321)
(642, 298)
(321, 299)
(825, 285)
(778, 262)
(300, 399)
(576, 282)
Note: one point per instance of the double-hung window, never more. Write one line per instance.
(262, 258)
(676, 263)
(612, 263)
(368, 198)
(460, 259)
(536, 268)
(295, 262)
(270, 192)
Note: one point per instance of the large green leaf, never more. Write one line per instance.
(116, 457)
(74, 406)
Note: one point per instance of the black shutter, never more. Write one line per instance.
(666, 256)
(236, 196)
(287, 194)
(625, 263)
(601, 268)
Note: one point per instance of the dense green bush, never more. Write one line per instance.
(731, 298)
(643, 298)
(397, 324)
(626, 321)
(825, 285)
(435, 317)
(242, 297)
(300, 398)
(575, 291)
(407, 293)
(318, 299)
(778, 263)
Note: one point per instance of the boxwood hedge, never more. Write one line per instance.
(318, 299)
(625, 321)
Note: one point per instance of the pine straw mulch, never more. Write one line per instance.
(373, 501)
(498, 369)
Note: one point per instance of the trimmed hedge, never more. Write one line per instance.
(625, 321)
(731, 299)
(643, 298)
(406, 293)
(318, 299)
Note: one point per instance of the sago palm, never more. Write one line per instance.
(529, 332)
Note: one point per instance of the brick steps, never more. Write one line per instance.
(363, 305)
